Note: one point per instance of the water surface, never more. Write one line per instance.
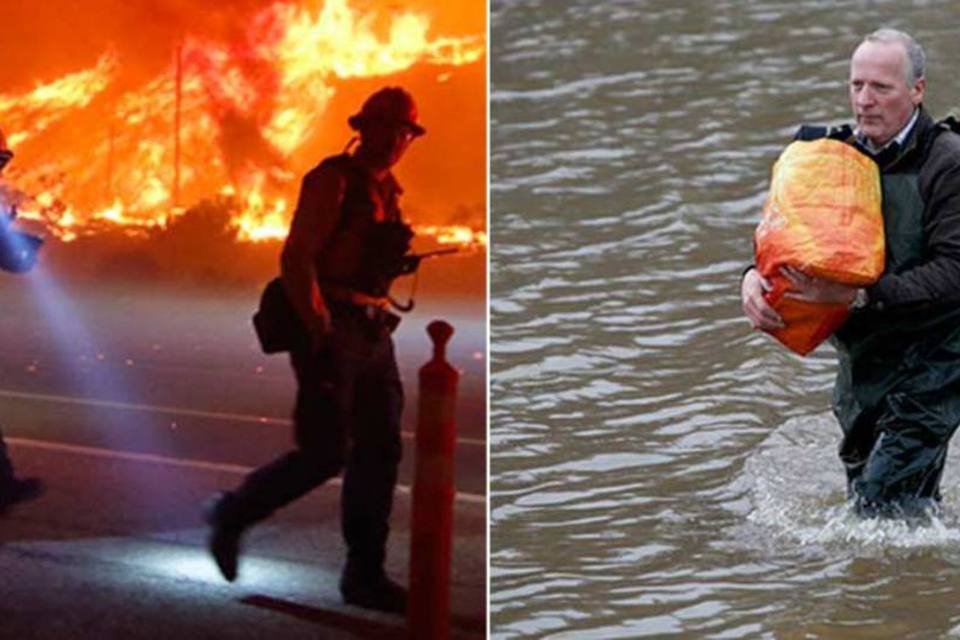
(658, 469)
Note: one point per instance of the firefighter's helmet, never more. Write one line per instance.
(392, 105)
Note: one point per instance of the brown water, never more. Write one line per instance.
(658, 469)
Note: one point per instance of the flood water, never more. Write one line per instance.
(659, 470)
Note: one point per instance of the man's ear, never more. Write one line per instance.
(916, 93)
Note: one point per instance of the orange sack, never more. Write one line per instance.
(823, 217)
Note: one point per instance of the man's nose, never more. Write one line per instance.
(865, 97)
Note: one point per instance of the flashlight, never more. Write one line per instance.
(18, 250)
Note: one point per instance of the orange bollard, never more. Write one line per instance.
(431, 535)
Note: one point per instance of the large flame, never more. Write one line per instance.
(30, 114)
(242, 111)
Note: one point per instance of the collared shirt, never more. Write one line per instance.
(898, 139)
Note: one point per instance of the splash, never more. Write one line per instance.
(797, 491)
(224, 118)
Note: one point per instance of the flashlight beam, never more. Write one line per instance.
(176, 411)
(130, 456)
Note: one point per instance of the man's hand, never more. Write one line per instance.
(813, 289)
(320, 329)
(755, 307)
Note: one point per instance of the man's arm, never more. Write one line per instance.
(314, 220)
(937, 280)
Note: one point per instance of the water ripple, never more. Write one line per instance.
(658, 469)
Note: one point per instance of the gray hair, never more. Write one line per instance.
(916, 58)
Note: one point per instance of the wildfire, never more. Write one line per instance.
(238, 113)
(28, 115)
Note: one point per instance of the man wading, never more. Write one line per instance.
(897, 393)
(346, 242)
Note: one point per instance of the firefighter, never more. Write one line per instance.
(346, 244)
(13, 489)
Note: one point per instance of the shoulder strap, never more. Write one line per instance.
(950, 123)
(816, 132)
(392, 198)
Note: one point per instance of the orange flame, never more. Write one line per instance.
(246, 109)
(28, 115)
(457, 234)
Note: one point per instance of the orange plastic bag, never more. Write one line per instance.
(823, 216)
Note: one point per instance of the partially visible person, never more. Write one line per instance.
(12, 488)
(897, 393)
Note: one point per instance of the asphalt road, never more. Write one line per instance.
(135, 405)
(180, 374)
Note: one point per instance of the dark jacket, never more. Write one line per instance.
(934, 153)
(900, 357)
